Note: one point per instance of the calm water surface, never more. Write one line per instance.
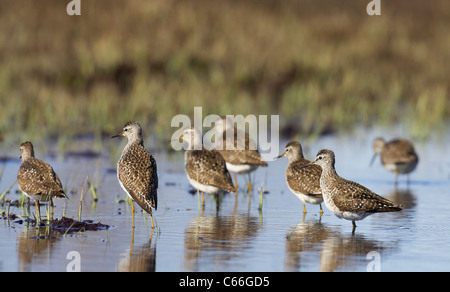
(231, 233)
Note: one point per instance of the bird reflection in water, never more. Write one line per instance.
(313, 243)
(218, 239)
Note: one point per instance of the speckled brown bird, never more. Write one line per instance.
(397, 155)
(304, 182)
(37, 179)
(347, 199)
(137, 171)
(241, 158)
(205, 169)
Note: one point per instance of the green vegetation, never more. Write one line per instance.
(321, 65)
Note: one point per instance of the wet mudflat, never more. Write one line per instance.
(231, 233)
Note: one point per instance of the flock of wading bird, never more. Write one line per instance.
(208, 171)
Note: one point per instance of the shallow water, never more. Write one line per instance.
(231, 233)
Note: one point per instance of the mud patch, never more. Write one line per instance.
(64, 225)
(70, 225)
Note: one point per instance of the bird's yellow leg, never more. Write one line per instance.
(38, 210)
(51, 209)
(132, 241)
(151, 218)
(132, 211)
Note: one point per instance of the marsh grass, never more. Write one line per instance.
(322, 65)
(3, 194)
(80, 204)
(93, 189)
(94, 183)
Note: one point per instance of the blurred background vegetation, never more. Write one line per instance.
(322, 65)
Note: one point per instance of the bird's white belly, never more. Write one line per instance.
(347, 215)
(241, 168)
(202, 187)
(124, 189)
(37, 197)
(401, 168)
(305, 198)
(353, 216)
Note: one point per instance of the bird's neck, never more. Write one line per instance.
(133, 143)
(328, 175)
(194, 144)
(297, 158)
(26, 157)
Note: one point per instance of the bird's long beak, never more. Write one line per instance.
(309, 164)
(373, 159)
(118, 135)
(175, 141)
(282, 155)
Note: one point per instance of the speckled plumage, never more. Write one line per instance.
(36, 178)
(206, 169)
(137, 170)
(304, 182)
(247, 156)
(347, 199)
(397, 155)
(243, 158)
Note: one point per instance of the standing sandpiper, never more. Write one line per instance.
(37, 179)
(242, 158)
(304, 182)
(397, 155)
(347, 199)
(136, 170)
(205, 169)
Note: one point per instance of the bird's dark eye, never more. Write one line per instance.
(125, 130)
(320, 157)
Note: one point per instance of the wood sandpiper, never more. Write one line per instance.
(347, 199)
(304, 182)
(397, 155)
(136, 170)
(37, 179)
(241, 159)
(205, 169)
